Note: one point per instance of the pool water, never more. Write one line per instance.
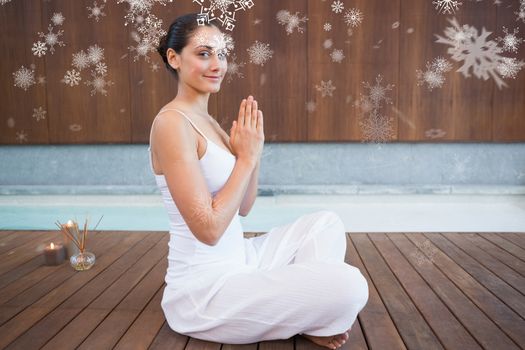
(360, 213)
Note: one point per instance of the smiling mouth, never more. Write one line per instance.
(214, 78)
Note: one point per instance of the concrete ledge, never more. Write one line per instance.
(271, 190)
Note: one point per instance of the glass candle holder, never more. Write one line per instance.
(82, 261)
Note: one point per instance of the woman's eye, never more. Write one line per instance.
(205, 53)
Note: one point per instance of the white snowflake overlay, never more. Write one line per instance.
(234, 69)
(375, 126)
(521, 12)
(96, 11)
(326, 88)
(435, 133)
(24, 78)
(221, 10)
(51, 38)
(446, 6)
(39, 113)
(94, 58)
(510, 41)
(478, 53)
(337, 6)
(3, 2)
(259, 53)
(139, 9)
(337, 55)
(147, 35)
(292, 22)
(221, 44)
(353, 17)
(433, 76)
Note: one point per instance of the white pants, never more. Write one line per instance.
(301, 284)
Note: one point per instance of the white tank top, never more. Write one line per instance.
(189, 260)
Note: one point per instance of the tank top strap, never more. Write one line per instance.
(185, 116)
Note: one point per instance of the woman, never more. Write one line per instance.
(221, 286)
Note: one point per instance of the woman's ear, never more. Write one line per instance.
(173, 58)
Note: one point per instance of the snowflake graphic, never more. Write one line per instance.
(95, 53)
(328, 43)
(99, 84)
(377, 128)
(291, 22)
(138, 9)
(142, 49)
(327, 27)
(337, 55)
(353, 17)
(510, 41)
(222, 10)
(41, 80)
(154, 67)
(234, 69)
(39, 49)
(3, 2)
(337, 6)
(24, 78)
(222, 43)
(81, 60)
(259, 53)
(446, 6)
(39, 113)
(478, 53)
(326, 88)
(510, 67)
(433, 76)
(435, 133)
(51, 38)
(151, 29)
(71, 78)
(21, 136)
(101, 68)
(96, 11)
(58, 19)
(310, 106)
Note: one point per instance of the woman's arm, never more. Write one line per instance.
(251, 192)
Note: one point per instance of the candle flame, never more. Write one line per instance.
(69, 223)
(52, 245)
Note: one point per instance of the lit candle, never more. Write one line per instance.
(54, 254)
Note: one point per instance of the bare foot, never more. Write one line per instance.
(331, 342)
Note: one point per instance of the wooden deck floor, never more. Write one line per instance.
(426, 291)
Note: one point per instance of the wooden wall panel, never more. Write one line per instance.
(370, 50)
(394, 39)
(508, 120)
(280, 84)
(20, 25)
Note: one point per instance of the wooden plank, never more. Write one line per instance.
(20, 271)
(512, 248)
(503, 271)
(510, 325)
(45, 329)
(11, 239)
(497, 252)
(119, 279)
(21, 299)
(73, 289)
(123, 315)
(490, 280)
(515, 237)
(27, 251)
(412, 327)
(168, 339)
(447, 328)
(141, 333)
(39, 272)
(378, 327)
(278, 344)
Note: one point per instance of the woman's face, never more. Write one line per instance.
(203, 60)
